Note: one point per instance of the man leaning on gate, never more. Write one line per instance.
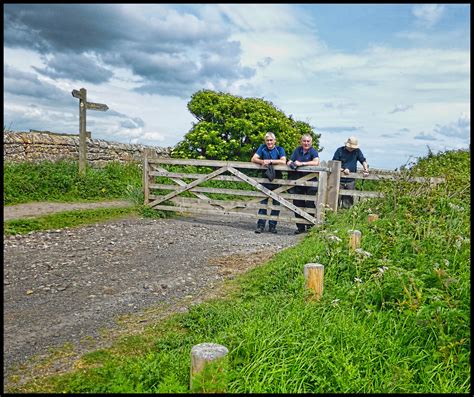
(349, 155)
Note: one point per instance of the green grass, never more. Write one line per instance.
(65, 219)
(394, 318)
(60, 181)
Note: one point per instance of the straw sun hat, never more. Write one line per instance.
(352, 142)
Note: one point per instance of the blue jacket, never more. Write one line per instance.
(300, 155)
(275, 154)
(348, 160)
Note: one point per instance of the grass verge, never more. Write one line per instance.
(66, 219)
(394, 316)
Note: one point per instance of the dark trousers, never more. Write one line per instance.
(347, 201)
(262, 211)
(310, 191)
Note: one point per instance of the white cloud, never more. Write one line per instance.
(429, 14)
(401, 108)
(386, 94)
(461, 128)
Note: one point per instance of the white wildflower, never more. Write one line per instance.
(362, 252)
(334, 238)
(446, 262)
(357, 280)
(382, 269)
(455, 207)
(335, 301)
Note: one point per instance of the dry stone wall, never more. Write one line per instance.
(40, 146)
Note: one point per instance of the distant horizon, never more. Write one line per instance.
(359, 167)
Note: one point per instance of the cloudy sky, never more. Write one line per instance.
(396, 76)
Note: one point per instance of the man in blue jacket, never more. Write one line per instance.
(269, 153)
(349, 155)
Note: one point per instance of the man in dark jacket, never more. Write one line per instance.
(349, 155)
(303, 155)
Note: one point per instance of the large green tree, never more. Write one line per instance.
(230, 127)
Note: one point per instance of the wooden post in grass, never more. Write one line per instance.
(314, 277)
(354, 239)
(372, 217)
(208, 367)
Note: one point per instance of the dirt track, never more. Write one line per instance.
(31, 210)
(66, 285)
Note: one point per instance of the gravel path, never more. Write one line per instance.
(66, 285)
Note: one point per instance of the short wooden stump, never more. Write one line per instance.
(207, 368)
(372, 217)
(314, 278)
(354, 239)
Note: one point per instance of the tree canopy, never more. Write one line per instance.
(230, 127)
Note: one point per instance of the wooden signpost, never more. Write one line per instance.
(83, 106)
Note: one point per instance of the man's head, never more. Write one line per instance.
(306, 141)
(270, 140)
(352, 143)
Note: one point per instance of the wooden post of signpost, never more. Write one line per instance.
(83, 106)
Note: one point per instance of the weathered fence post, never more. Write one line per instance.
(372, 217)
(333, 184)
(208, 368)
(321, 197)
(314, 279)
(354, 239)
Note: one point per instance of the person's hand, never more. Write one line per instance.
(298, 163)
(366, 173)
(346, 171)
(266, 162)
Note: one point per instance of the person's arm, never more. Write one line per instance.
(257, 157)
(366, 168)
(257, 160)
(363, 161)
(292, 158)
(281, 160)
(313, 162)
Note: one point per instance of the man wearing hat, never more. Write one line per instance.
(349, 155)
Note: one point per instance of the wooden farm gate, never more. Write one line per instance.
(240, 189)
(236, 188)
